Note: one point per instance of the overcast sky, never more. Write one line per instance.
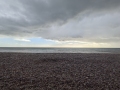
(60, 23)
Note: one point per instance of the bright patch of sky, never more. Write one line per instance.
(31, 42)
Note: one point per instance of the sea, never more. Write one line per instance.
(59, 50)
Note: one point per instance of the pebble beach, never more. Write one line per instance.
(59, 71)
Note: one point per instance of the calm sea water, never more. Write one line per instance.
(61, 50)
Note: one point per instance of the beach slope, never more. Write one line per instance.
(30, 71)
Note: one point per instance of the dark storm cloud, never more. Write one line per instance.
(37, 17)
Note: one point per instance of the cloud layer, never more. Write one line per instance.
(81, 20)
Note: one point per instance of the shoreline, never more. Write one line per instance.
(59, 71)
(60, 53)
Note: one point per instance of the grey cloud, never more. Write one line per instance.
(37, 17)
(41, 12)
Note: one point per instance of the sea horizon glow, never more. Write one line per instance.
(60, 24)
